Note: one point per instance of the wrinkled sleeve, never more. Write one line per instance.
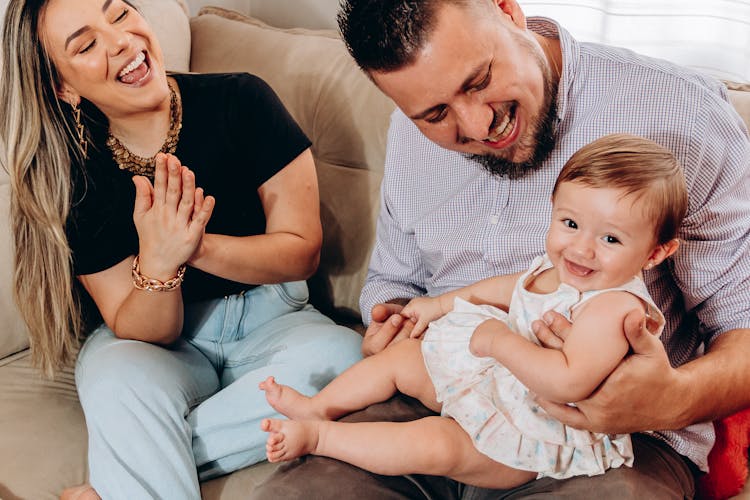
(396, 267)
(713, 267)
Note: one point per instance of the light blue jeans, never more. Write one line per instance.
(161, 419)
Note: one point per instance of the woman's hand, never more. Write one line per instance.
(170, 217)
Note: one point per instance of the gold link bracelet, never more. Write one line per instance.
(142, 282)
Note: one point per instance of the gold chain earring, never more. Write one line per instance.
(82, 142)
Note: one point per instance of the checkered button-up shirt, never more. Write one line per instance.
(446, 223)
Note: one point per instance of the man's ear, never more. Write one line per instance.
(661, 252)
(511, 9)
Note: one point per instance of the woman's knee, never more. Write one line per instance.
(112, 373)
(316, 355)
(334, 345)
(116, 374)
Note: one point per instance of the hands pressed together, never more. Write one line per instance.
(642, 393)
(170, 217)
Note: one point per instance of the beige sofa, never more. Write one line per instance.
(42, 430)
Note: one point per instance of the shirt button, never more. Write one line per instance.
(494, 219)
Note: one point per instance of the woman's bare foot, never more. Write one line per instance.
(82, 492)
(289, 439)
(289, 402)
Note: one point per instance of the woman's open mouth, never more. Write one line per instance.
(136, 70)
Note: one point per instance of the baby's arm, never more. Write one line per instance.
(495, 291)
(593, 349)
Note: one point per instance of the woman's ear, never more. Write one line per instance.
(661, 252)
(66, 93)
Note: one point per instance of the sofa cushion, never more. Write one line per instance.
(340, 110)
(739, 95)
(13, 335)
(42, 432)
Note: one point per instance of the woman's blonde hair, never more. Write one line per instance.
(637, 166)
(36, 129)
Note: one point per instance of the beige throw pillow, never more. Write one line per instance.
(739, 94)
(170, 21)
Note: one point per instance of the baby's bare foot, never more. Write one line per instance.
(289, 402)
(289, 439)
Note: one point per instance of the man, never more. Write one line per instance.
(490, 108)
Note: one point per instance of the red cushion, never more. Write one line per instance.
(728, 460)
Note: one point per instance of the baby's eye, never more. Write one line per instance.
(570, 223)
(611, 239)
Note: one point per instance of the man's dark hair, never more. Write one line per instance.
(385, 35)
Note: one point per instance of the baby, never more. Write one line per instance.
(616, 209)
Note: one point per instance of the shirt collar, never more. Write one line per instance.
(570, 56)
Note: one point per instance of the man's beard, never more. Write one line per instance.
(544, 140)
(543, 133)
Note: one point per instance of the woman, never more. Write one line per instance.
(200, 299)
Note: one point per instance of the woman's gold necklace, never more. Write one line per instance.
(139, 165)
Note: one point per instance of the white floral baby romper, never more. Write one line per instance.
(495, 409)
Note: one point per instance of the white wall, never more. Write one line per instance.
(710, 35)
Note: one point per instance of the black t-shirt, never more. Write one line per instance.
(236, 134)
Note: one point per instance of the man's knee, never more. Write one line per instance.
(658, 473)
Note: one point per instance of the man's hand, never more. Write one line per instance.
(387, 327)
(642, 393)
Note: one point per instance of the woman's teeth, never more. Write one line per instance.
(133, 64)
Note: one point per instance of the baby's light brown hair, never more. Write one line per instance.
(637, 166)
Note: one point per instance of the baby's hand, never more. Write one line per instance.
(421, 311)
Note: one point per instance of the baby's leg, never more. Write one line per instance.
(431, 445)
(399, 367)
